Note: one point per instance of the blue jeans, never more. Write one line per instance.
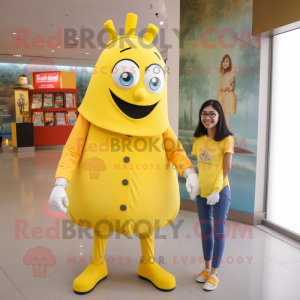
(213, 242)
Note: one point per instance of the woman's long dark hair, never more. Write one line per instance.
(222, 129)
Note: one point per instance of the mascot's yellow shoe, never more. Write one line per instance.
(160, 278)
(89, 278)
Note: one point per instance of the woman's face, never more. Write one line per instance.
(211, 117)
(225, 63)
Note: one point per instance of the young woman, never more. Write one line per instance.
(226, 95)
(213, 145)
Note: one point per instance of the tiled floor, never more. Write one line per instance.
(258, 267)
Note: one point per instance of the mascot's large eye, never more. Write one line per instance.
(155, 83)
(126, 74)
(154, 79)
(126, 78)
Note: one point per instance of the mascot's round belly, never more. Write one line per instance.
(125, 182)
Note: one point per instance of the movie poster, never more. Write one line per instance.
(21, 104)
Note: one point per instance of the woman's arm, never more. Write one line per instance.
(219, 86)
(224, 171)
(227, 164)
(232, 83)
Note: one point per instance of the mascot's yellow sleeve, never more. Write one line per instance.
(175, 152)
(73, 148)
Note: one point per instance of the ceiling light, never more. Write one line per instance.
(86, 53)
(161, 22)
(76, 38)
(99, 48)
(52, 50)
(58, 47)
(14, 33)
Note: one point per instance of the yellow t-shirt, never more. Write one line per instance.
(210, 158)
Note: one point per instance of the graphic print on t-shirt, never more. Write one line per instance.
(204, 156)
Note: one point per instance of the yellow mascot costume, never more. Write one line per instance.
(121, 158)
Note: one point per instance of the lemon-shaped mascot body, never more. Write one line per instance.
(120, 157)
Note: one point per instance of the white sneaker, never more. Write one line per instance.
(211, 282)
(203, 275)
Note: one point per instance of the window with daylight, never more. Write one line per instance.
(283, 202)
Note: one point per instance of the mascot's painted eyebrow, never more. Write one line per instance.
(125, 59)
(146, 68)
(157, 55)
(125, 49)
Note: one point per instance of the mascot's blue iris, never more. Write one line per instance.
(155, 83)
(126, 78)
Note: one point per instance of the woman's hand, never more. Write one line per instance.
(213, 198)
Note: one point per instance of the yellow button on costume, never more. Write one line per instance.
(210, 158)
(122, 155)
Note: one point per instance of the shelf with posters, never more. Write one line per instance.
(62, 102)
(53, 113)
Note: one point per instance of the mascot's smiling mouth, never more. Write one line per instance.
(131, 110)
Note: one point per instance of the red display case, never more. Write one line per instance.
(58, 134)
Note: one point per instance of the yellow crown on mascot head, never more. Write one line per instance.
(127, 93)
